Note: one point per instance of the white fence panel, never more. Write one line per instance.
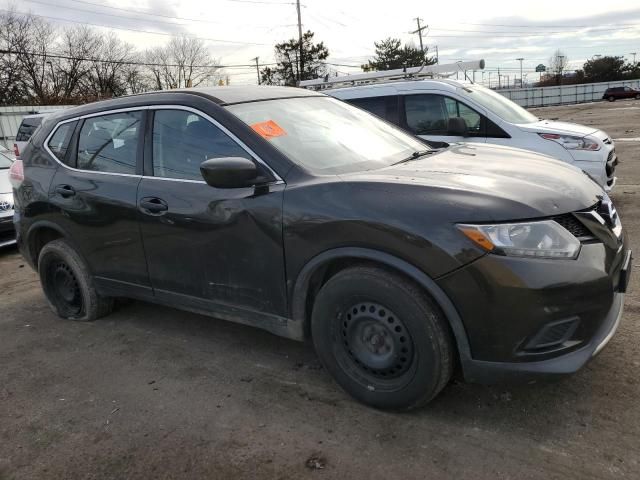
(11, 117)
(563, 94)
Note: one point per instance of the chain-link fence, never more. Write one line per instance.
(563, 94)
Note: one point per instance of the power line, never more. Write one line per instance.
(130, 29)
(138, 12)
(149, 64)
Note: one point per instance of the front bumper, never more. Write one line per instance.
(478, 371)
(7, 230)
(529, 318)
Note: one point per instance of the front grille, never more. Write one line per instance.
(573, 225)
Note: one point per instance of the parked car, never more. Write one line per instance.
(28, 125)
(616, 93)
(450, 111)
(294, 212)
(7, 232)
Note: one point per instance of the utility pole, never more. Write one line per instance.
(634, 57)
(499, 79)
(301, 61)
(419, 31)
(257, 69)
(520, 60)
(437, 56)
(560, 67)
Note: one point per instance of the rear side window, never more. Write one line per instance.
(59, 141)
(27, 127)
(109, 143)
(383, 107)
(183, 140)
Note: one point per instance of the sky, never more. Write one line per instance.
(237, 31)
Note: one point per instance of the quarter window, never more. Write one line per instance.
(59, 142)
(183, 140)
(109, 143)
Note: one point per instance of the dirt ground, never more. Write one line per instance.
(151, 392)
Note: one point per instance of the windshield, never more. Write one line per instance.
(498, 104)
(5, 162)
(327, 136)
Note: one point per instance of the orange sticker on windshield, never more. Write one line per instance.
(268, 129)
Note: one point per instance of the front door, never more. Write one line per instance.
(427, 115)
(208, 247)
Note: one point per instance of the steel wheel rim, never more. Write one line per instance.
(376, 341)
(64, 288)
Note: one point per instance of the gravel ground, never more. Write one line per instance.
(151, 392)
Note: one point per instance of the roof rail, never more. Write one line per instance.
(389, 75)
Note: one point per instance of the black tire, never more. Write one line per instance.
(638, 96)
(612, 99)
(68, 286)
(382, 338)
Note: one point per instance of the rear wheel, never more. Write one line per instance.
(637, 96)
(382, 338)
(68, 285)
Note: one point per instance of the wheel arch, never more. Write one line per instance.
(38, 235)
(322, 266)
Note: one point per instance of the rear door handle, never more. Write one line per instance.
(153, 205)
(65, 191)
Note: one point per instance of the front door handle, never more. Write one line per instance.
(153, 205)
(65, 191)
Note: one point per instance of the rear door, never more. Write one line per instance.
(94, 192)
(206, 247)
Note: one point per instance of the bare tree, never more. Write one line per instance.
(34, 38)
(11, 29)
(67, 71)
(109, 67)
(183, 62)
(558, 62)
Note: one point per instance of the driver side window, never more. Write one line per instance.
(182, 140)
(429, 114)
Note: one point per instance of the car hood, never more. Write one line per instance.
(5, 184)
(489, 182)
(562, 128)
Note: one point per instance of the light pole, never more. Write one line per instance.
(634, 57)
(520, 60)
(560, 66)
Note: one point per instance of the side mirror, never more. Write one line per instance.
(458, 127)
(231, 172)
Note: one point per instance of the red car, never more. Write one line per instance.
(615, 93)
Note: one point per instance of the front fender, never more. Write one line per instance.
(300, 315)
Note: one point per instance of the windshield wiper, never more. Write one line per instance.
(414, 156)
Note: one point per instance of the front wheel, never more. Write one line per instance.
(382, 338)
(68, 285)
(612, 99)
(638, 96)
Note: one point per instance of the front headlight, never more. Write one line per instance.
(571, 142)
(541, 239)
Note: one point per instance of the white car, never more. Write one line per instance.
(7, 230)
(449, 111)
(28, 125)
